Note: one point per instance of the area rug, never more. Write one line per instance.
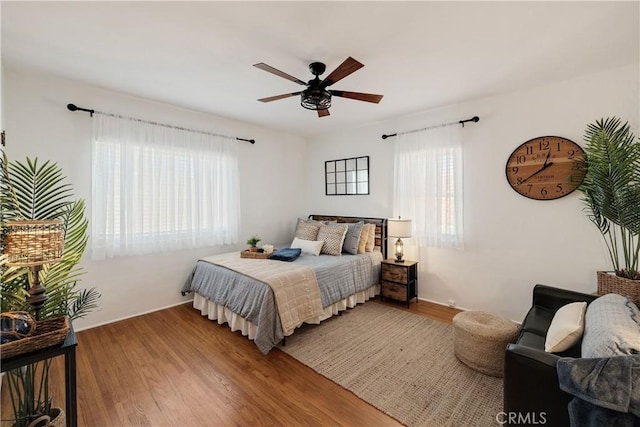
(401, 363)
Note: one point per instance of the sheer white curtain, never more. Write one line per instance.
(159, 189)
(428, 185)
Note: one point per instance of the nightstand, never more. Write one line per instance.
(399, 280)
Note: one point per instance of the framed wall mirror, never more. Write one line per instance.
(347, 176)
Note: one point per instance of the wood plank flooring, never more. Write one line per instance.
(176, 368)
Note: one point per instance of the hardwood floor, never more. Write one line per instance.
(176, 368)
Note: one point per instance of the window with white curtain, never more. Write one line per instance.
(428, 185)
(159, 189)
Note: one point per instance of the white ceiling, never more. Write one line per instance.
(419, 55)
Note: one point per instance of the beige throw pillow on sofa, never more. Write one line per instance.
(566, 328)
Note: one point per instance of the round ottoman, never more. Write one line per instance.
(480, 339)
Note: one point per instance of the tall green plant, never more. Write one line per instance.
(611, 190)
(34, 191)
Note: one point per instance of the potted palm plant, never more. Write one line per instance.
(611, 193)
(35, 191)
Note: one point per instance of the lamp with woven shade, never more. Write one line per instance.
(399, 227)
(32, 243)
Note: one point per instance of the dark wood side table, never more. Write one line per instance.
(399, 280)
(68, 349)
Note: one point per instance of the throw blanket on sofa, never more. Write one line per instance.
(606, 390)
(294, 286)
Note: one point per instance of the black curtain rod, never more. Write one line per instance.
(73, 107)
(473, 119)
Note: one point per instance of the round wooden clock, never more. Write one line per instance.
(546, 168)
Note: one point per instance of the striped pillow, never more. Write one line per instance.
(333, 237)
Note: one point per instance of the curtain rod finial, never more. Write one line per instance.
(72, 107)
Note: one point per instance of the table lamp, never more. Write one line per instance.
(399, 227)
(33, 243)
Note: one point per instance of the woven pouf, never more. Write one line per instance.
(480, 340)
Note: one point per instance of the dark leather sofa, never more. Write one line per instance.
(532, 395)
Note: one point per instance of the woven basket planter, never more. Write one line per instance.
(609, 283)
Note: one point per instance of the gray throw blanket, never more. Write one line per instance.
(606, 390)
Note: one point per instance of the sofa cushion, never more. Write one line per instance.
(566, 327)
(531, 340)
(538, 320)
(612, 327)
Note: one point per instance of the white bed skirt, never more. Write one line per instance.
(222, 314)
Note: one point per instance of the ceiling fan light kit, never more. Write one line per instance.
(315, 99)
(316, 96)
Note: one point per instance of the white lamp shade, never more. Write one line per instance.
(397, 227)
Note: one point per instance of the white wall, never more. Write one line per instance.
(38, 124)
(511, 242)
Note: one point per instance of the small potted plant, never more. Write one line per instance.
(252, 242)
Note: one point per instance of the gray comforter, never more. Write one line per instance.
(338, 277)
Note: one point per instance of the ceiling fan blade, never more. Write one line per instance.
(349, 66)
(277, 97)
(368, 97)
(279, 73)
(323, 113)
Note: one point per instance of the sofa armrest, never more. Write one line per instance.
(531, 386)
(554, 298)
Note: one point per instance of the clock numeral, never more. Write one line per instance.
(520, 159)
(559, 148)
(559, 188)
(544, 145)
(572, 154)
(530, 187)
(529, 149)
(543, 191)
(519, 180)
(574, 178)
(576, 166)
(514, 169)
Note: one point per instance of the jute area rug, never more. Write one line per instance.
(401, 363)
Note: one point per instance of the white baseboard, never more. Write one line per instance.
(442, 304)
(134, 315)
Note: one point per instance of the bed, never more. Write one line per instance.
(241, 292)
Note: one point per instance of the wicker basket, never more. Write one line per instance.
(256, 255)
(609, 283)
(48, 333)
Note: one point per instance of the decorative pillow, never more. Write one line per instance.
(371, 238)
(310, 247)
(566, 327)
(351, 240)
(364, 236)
(333, 237)
(307, 230)
(611, 328)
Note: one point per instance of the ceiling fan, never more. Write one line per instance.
(316, 96)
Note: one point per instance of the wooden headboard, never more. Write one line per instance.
(381, 227)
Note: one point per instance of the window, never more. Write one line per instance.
(428, 185)
(158, 189)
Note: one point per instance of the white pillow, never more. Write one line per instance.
(566, 327)
(311, 247)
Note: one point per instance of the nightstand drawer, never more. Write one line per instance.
(393, 290)
(394, 273)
